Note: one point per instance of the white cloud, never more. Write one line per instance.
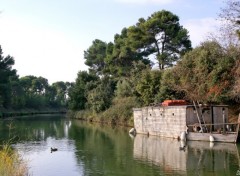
(145, 1)
(199, 29)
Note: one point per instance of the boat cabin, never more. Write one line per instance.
(172, 117)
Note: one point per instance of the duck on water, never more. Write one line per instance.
(53, 149)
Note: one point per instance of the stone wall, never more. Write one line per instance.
(167, 121)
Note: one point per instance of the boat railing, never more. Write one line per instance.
(224, 128)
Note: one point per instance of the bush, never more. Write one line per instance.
(121, 112)
(11, 162)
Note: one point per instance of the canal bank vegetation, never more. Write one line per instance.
(153, 60)
(148, 62)
(119, 113)
(11, 163)
(28, 94)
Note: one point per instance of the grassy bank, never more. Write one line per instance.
(120, 113)
(11, 163)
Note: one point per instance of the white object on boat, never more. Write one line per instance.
(211, 138)
(132, 131)
(183, 136)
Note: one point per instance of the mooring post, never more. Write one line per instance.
(224, 120)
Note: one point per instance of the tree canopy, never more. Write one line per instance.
(205, 73)
(95, 56)
(122, 75)
(7, 76)
(28, 91)
(160, 36)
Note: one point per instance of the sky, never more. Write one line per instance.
(48, 37)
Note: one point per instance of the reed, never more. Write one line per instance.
(11, 162)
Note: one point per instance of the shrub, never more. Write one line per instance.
(11, 163)
(121, 111)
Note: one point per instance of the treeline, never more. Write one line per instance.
(28, 92)
(147, 63)
(152, 61)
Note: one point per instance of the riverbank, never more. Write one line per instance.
(90, 117)
(5, 113)
(120, 113)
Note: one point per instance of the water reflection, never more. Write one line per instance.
(94, 149)
(34, 128)
(43, 162)
(191, 158)
(34, 136)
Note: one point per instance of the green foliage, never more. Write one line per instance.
(95, 56)
(17, 95)
(167, 90)
(7, 73)
(100, 98)
(205, 73)
(235, 91)
(37, 93)
(148, 85)
(120, 56)
(26, 92)
(121, 77)
(78, 93)
(121, 111)
(124, 88)
(161, 36)
(61, 90)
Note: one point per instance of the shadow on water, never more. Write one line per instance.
(187, 158)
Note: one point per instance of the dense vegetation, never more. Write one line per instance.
(28, 92)
(152, 61)
(146, 63)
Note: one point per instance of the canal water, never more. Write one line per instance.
(86, 149)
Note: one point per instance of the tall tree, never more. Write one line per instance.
(6, 74)
(34, 85)
(78, 92)
(61, 92)
(39, 85)
(95, 55)
(17, 94)
(50, 95)
(160, 36)
(121, 57)
(35, 89)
